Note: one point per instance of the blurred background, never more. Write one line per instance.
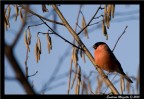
(51, 73)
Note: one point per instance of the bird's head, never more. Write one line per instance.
(97, 44)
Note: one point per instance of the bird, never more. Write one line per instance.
(106, 60)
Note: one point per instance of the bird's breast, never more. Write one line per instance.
(103, 60)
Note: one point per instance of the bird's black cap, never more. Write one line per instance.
(97, 44)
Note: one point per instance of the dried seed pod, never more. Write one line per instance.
(128, 86)
(75, 55)
(83, 57)
(8, 24)
(47, 37)
(79, 75)
(104, 30)
(49, 46)
(76, 90)
(78, 81)
(122, 85)
(107, 17)
(75, 75)
(84, 25)
(39, 45)
(105, 13)
(21, 16)
(108, 22)
(112, 10)
(109, 11)
(16, 12)
(9, 10)
(29, 36)
(82, 54)
(5, 20)
(50, 42)
(26, 41)
(78, 84)
(44, 9)
(36, 52)
(5, 26)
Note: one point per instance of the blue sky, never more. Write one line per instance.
(126, 51)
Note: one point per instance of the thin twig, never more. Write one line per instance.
(120, 37)
(26, 67)
(79, 26)
(28, 10)
(90, 20)
(33, 74)
(59, 35)
(35, 25)
(98, 17)
(19, 73)
(96, 23)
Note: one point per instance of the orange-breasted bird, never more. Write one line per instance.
(106, 60)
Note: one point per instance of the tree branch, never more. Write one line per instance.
(19, 74)
(120, 37)
(10, 55)
(90, 20)
(40, 15)
(73, 33)
(59, 35)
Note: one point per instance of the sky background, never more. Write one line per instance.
(126, 51)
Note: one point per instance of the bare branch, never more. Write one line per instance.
(26, 67)
(73, 33)
(19, 74)
(96, 23)
(59, 35)
(10, 55)
(90, 20)
(33, 74)
(120, 37)
(40, 15)
(35, 25)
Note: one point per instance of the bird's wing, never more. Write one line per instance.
(112, 56)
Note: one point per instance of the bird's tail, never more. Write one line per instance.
(126, 77)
